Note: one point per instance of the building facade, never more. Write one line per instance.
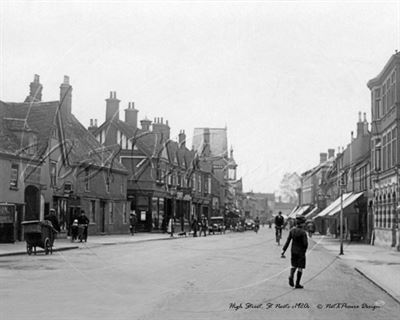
(385, 111)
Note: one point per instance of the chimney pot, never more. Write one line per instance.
(365, 117)
(91, 122)
(95, 122)
(359, 116)
(36, 78)
(66, 80)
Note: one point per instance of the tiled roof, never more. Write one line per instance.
(42, 118)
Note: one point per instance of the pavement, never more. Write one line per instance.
(19, 247)
(379, 265)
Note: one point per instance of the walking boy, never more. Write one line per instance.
(298, 236)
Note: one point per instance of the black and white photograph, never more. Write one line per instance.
(174, 160)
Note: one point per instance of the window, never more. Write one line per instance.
(14, 176)
(92, 213)
(199, 183)
(394, 147)
(111, 213)
(108, 184)
(53, 174)
(87, 179)
(124, 214)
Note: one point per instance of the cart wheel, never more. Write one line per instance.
(28, 249)
(47, 246)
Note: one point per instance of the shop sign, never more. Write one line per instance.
(143, 215)
(179, 195)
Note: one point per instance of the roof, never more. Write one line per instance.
(42, 118)
(395, 58)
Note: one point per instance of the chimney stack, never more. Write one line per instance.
(35, 92)
(182, 138)
(112, 107)
(365, 124)
(160, 127)
(331, 153)
(145, 123)
(131, 115)
(65, 97)
(93, 126)
(360, 126)
(323, 157)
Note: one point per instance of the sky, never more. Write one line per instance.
(287, 78)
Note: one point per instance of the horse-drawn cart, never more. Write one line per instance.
(39, 234)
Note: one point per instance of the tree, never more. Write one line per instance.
(288, 186)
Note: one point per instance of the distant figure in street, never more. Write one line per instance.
(53, 219)
(299, 240)
(83, 222)
(256, 224)
(204, 226)
(310, 227)
(279, 222)
(132, 223)
(74, 230)
(194, 226)
(171, 226)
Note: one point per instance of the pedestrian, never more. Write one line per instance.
(310, 227)
(53, 219)
(279, 222)
(298, 237)
(132, 223)
(74, 230)
(83, 222)
(194, 226)
(204, 226)
(171, 226)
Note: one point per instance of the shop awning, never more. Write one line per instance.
(299, 211)
(312, 213)
(333, 206)
(294, 210)
(346, 203)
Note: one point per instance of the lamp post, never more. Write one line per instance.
(341, 221)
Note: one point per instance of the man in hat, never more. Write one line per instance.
(53, 219)
(298, 236)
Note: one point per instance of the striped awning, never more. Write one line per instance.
(333, 206)
(300, 211)
(346, 203)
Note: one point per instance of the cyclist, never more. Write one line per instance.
(279, 221)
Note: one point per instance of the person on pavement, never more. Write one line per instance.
(194, 226)
(83, 221)
(204, 226)
(53, 219)
(298, 237)
(279, 221)
(132, 223)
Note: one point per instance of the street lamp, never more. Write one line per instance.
(341, 221)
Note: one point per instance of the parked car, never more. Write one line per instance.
(249, 224)
(216, 224)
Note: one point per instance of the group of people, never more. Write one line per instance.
(80, 222)
(200, 226)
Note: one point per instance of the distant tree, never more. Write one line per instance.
(287, 188)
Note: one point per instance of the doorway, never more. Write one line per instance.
(32, 201)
